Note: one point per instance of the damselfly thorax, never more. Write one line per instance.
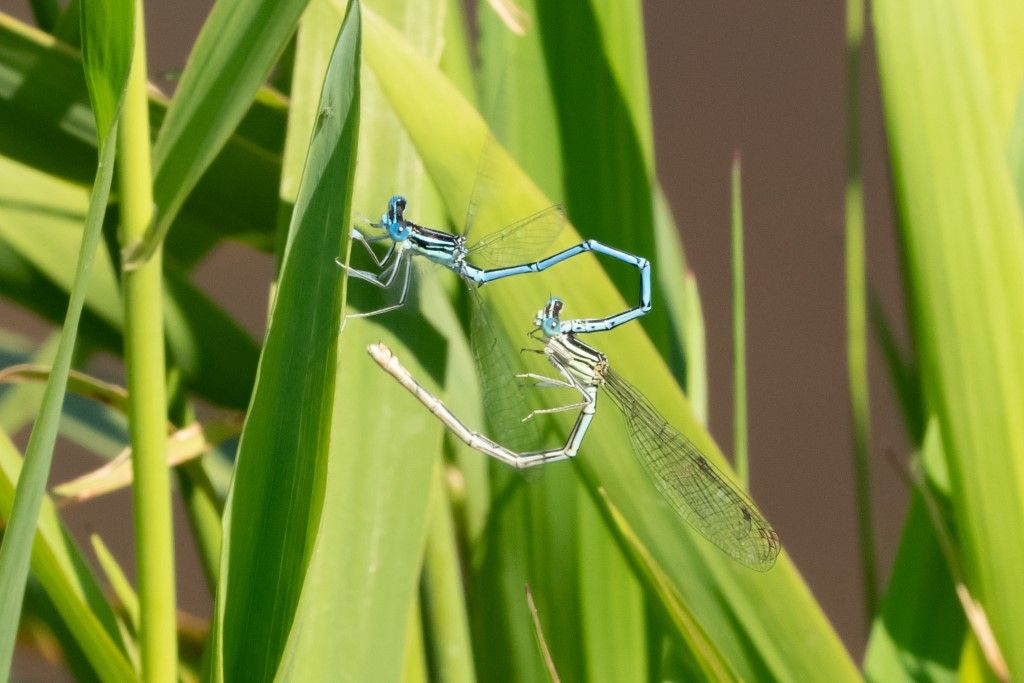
(583, 362)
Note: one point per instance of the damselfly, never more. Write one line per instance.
(513, 250)
(697, 490)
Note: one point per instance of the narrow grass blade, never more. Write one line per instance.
(120, 584)
(414, 659)
(856, 310)
(904, 374)
(78, 382)
(680, 297)
(754, 619)
(739, 334)
(696, 345)
(63, 573)
(963, 241)
(542, 642)
(280, 474)
(107, 49)
(238, 46)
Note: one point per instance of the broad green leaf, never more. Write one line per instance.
(107, 42)
(217, 358)
(456, 61)
(276, 496)
(762, 622)
(621, 30)
(233, 55)
(41, 217)
(963, 242)
(59, 567)
(354, 615)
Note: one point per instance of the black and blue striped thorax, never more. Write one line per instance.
(437, 245)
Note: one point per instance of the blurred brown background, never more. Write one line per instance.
(765, 79)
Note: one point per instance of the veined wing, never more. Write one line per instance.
(504, 401)
(524, 241)
(696, 489)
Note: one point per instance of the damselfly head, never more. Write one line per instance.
(548, 317)
(393, 220)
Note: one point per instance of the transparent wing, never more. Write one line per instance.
(524, 241)
(695, 488)
(504, 401)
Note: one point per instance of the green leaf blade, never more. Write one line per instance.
(280, 474)
(360, 593)
(963, 241)
(233, 55)
(107, 59)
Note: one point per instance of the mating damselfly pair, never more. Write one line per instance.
(695, 489)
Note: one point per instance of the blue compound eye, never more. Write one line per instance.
(550, 327)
